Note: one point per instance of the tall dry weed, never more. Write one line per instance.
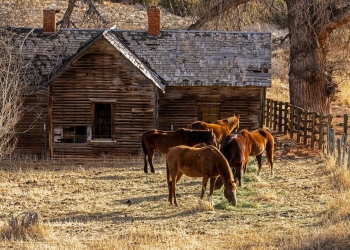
(23, 227)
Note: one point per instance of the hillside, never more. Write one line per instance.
(29, 13)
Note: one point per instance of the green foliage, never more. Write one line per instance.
(247, 204)
(249, 178)
(246, 191)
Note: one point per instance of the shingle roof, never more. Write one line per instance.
(174, 58)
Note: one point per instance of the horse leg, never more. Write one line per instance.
(204, 185)
(150, 160)
(258, 158)
(169, 181)
(145, 170)
(175, 180)
(269, 155)
(239, 175)
(212, 185)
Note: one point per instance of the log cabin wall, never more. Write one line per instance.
(31, 134)
(180, 106)
(102, 76)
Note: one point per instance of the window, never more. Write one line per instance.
(209, 115)
(102, 121)
(72, 134)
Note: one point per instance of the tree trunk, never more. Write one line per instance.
(310, 86)
(65, 22)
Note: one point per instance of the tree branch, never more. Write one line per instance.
(94, 9)
(339, 17)
(217, 10)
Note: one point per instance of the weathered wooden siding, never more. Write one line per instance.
(179, 106)
(103, 74)
(31, 134)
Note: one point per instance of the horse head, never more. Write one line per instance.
(230, 192)
(230, 123)
(233, 123)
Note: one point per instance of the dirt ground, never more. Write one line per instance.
(102, 205)
(106, 202)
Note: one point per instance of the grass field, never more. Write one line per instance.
(116, 206)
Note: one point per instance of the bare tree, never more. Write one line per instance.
(12, 91)
(312, 25)
(66, 21)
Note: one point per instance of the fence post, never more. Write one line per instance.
(339, 146)
(306, 116)
(329, 126)
(313, 132)
(291, 129)
(280, 117)
(271, 114)
(321, 132)
(267, 116)
(331, 140)
(285, 123)
(344, 139)
(274, 115)
(346, 124)
(299, 111)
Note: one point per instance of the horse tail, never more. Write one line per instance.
(168, 175)
(144, 147)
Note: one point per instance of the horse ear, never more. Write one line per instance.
(238, 116)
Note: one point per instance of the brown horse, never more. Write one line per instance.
(163, 140)
(236, 151)
(206, 162)
(259, 141)
(221, 128)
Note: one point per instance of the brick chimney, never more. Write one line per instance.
(153, 13)
(49, 18)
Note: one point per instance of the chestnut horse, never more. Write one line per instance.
(236, 151)
(206, 162)
(163, 140)
(221, 128)
(259, 141)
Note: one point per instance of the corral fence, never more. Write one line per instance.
(323, 131)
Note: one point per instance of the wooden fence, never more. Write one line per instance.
(323, 131)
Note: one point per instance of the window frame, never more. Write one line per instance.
(93, 105)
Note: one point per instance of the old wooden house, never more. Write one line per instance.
(99, 90)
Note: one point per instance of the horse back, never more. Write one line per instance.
(258, 140)
(199, 125)
(195, 162)
(235, 149)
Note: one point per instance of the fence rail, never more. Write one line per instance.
(324, 131)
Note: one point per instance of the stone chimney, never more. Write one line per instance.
(49, 18)
(153, 13)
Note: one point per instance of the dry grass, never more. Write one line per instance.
(117, 206)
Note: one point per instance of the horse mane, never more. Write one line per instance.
(233, 119)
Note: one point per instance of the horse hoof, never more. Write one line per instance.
(153, 172)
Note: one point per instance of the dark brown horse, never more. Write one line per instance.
(221, 128)
(206, 162)
(259, 141)
(163, 140)
(236, 151)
